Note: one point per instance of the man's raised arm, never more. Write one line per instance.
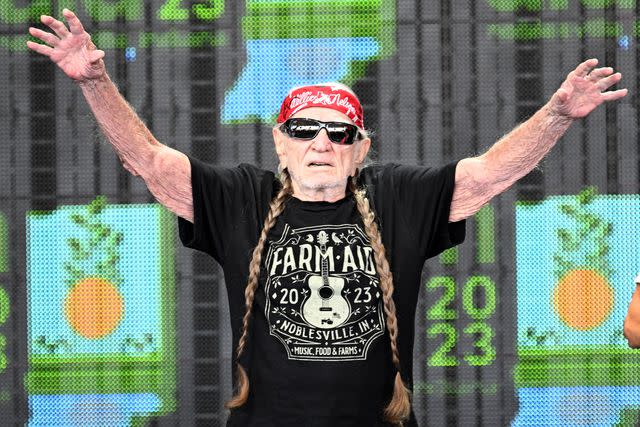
(166, 171)
(479, 179)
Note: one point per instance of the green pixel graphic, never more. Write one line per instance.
(101, 310)
(301, 42)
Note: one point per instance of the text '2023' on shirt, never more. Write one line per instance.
(318, 352)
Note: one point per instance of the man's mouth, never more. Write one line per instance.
(319, 164)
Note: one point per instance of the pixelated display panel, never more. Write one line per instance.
(573, 268)
(4, 244)
(521, 325)
(319, 41)
(100, 294)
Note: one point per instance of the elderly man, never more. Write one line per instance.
(632, 321)
(322, 262)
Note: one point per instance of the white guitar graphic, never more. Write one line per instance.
(326, 307)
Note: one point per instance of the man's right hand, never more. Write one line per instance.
(71, 49)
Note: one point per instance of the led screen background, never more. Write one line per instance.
(521, 325)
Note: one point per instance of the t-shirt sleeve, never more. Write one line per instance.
(413, 204)
(447, 234)
(226, 206)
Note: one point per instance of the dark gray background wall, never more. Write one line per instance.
(450, 89)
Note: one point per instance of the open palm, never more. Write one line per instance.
(585, 88)
(71, 49)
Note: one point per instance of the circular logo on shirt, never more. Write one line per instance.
(323, 295)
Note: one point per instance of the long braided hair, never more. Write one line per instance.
(398, 409)
(275, 209)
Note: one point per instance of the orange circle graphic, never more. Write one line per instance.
(583, 299)
(94, 307)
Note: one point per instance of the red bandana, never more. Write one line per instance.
(322, 96)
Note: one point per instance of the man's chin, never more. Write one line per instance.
(323, 185)
(316, 185)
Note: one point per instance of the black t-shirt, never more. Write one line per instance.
(318, 351)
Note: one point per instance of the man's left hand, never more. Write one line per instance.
(584, 89)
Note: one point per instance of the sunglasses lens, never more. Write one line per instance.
(341, 133)
(303, 128)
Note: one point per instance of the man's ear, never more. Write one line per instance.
(364, 147)
(280, 146)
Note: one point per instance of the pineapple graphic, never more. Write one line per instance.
(583, 297)
(94, 305)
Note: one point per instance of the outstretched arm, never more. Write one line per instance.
(166, 171)
(632, 321)
(479, 179)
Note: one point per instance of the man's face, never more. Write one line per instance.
(319, 167)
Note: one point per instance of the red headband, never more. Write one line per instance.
(322, 96)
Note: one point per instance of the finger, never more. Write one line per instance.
(58, 27)
(74, 23)
(599, 73)
(583, 69)
(614, 94)
(40, 48)
(46, 37)
(607, 82)
(96, 55)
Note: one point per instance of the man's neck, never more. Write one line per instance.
(332, 194)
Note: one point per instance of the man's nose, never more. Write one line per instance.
(322, 142)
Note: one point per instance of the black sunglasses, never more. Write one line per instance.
(339, 133)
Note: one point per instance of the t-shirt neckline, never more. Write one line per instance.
(319, 205)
